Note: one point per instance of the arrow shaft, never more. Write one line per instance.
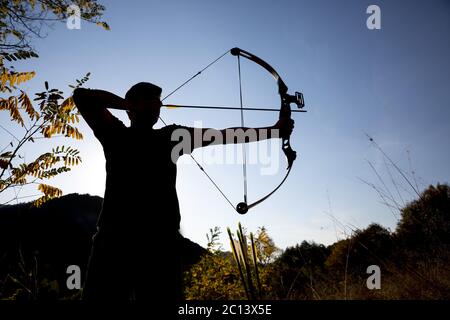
(224, 108)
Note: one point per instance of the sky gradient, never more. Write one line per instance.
(391, 83)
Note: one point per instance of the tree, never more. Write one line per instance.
(265, 246)
(53, 118)
(298, 271)
(425, 222)
(372, 245)
(20, 22)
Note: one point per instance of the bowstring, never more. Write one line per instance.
(192, 157)
(194, 76)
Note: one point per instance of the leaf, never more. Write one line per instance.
(4, 163)
(4, 78)
(49, 191)
(11, 104)
(104, 25)
(28, 106)
(7, 154)
(67, 105)
(17, 34)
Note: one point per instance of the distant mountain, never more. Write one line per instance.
(56, 235)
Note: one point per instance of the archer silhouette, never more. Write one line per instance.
(136, 251)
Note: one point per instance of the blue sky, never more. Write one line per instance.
(392, 83)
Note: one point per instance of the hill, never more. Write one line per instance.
(40, 243)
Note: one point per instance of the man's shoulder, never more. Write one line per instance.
(110, 130)
(173, 127)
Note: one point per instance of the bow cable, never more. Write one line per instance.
(244, 149)
(192, 157)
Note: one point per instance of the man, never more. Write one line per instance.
(136, 250)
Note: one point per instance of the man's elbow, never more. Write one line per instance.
(79, 97)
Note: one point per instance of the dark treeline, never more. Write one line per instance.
(37, 245)
(414, 259)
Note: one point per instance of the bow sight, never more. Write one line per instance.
(297, 99)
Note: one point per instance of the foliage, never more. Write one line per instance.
(56, 116)
(25, 284)
(20, 22)
(213, 244)
(213, 278)
(366, 247)
(305, 271)
(394, 184)
(413, 260)
(425, 223)
(298, 270)
(216, 276)
(245, 256)
(265, 246)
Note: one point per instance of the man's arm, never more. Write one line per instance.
(93, 106)
(97, 101)
(208, 136)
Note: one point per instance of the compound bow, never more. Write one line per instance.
(284, 112)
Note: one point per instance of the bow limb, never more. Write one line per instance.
(282, 88)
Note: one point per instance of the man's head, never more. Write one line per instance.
(145, 99)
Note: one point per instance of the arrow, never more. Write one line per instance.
(174, 106)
